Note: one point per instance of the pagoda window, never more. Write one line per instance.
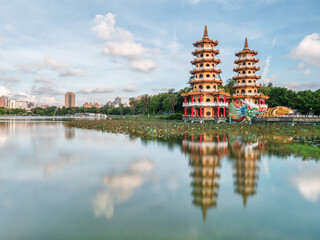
(243, 81)
(208, 100)
(201, 55)
(256, 102)
(238, 81)
(243, 91)
(249, 72)
(208, 113)
(214, 87)
(237, 91)
(254, 71)
(214, 75)
(208, 75)
(215, 100)
(208, 87)
(255, 91)
(249, 63)
(207, 55)
(195, 87)
(207, 65)
(212, 55)
(249, 81)
(200, 86)
(200, 76)
(243, 72)
(254, 81)
(249, 91)
(201, 65)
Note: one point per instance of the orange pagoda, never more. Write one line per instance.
(246, 85)
(246, 169)
(205, 155)
(206, 100)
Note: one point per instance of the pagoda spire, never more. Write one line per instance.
(205, 35)
(246, 44)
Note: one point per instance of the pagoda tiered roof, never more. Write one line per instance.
(246, 50)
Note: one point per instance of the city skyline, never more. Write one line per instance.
(102, 50)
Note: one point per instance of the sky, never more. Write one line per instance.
(101, 49)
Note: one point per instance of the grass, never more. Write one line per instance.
(280, 137)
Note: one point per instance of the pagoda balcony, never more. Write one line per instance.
(247, 94)
(206, 79)
(205, 104)
(204, 68)
(249, 58)
(247, 84)
(246, 75)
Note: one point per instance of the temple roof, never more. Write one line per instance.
(246, 49)
(205, 39)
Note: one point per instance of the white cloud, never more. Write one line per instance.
(46, 89)
(95, 90)
(45, 100)
(8, 80)
(73, 72)
(2, 71)
(130, 89)
(307, 72)
(295, 85)
(41, 79)
(65, 70)
(308, 50)
(121, 43)
(4, 91)
(266, 67)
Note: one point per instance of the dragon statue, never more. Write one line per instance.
(245, 111)
(277, 112)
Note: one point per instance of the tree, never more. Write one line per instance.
(145, 101)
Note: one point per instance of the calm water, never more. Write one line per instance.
(59, 183)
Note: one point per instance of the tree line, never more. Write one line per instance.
(171, 102)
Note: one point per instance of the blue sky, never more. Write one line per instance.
(101, 49)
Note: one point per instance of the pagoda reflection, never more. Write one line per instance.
(246, 158)
(205, 154)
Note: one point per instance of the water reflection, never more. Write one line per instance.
(205, 154)
(119, 187)
(70, 133)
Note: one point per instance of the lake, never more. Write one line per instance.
(62, 183)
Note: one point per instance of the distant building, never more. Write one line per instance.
(4, 101)
(70, 99)
(91, 105)
(21, 104)
(117, 102)
(12, 103)
(110, 103)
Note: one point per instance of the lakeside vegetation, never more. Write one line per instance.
(280, 138)
(171, 102)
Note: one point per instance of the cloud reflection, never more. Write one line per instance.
(308, 184)
(120, 187)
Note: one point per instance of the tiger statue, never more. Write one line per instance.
(276, 112)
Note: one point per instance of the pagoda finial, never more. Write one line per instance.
(246, 44)
(205, 35)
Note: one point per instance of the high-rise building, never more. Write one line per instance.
(246, 85)
(70, 99)
(12, 103)
(4, 101)
(21, 104)
(117, 101)
(207, 98)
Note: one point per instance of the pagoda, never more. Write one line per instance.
(206, 100)
(246, 169)
(246, 85)
(205, 156)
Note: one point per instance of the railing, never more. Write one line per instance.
(246, 75)
(263, 105)
(244, 66)
(208, 79)
(247, 84)
(246, 58)
(206, 104)
(201, 68)
(207, 48)
(247, 94)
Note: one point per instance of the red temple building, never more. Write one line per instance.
(206, 99)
